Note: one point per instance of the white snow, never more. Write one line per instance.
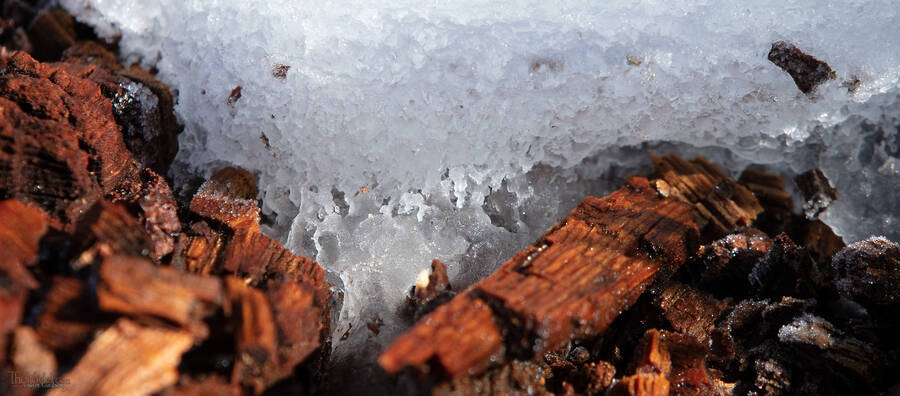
(411, 130)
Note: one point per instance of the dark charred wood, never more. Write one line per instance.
(817, 192)
(807, 71)
(722, 267)
(869, 272)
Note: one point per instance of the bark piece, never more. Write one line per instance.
(134, 286)
(229, 198)
(256, 257)
(679, 358)
(460, 336)
(276, 330)
(570, 284)
(142, 105)
(813, 234)
(807, 71)
(817, 192)
(721, 205)
(650, 356)
(302, 325)
(128, 359)
(786, 270)
(768, 188)
(855, 355)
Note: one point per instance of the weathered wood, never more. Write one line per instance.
(134, 286)
(276, 331)
(721, 205)
(198, 249)
(461, 336)
(62, 149)
(128, 359)
(256, 333)
(229, 196)
(570, 284)
(107, 230)
(689, 310)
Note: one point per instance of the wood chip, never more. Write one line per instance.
(128, 359)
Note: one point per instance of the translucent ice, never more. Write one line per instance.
(385, 136)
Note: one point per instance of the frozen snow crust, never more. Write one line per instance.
(387, 135)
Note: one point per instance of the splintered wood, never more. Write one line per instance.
(720, 204)
(132, 285)
(128, 359)
(576, 279)
(571, 283)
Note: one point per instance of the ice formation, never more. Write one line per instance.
(386, 135)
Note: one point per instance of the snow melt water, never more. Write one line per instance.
(386, 135)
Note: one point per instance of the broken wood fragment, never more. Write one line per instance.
(256, 334)
(722, 266)
(106, 230)
(688, 310)
(570, 284)
(229, 196)
(807, 71)
(128, 359)
(721, 205)
(869, 272)
(134, 286)
(198, 249)
(641, 384)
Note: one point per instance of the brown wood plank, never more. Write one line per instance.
(571, 283)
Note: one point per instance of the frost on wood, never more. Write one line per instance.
(461, 130)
